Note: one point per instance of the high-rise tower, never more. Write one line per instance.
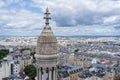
(46, 53)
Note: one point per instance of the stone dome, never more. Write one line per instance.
(47, 42)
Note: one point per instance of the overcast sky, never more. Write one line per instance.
(69, 17)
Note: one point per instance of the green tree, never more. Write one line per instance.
(30, 71)
(3, 53)
(33, 54)
(76, 50)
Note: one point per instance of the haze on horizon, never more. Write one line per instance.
(69, 17)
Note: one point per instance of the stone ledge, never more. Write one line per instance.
(46, 56)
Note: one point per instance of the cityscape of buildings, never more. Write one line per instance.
(94, 53)
(60, 58)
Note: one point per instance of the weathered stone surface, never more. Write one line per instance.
(47, 42)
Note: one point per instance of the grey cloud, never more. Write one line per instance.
(74, 17)
(117, 27)
(80, 12)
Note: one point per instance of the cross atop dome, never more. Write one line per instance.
(47, 18)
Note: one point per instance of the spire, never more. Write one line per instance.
(47, 13)
(47, 42)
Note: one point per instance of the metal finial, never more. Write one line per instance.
(47, 18)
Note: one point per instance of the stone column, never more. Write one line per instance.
(40, 74)
(42, 77)
(44, 74)
(49, 74)
(54, 74)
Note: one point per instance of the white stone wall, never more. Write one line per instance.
(16, 69)
(5, 69)
(24, 63)
(0, 73)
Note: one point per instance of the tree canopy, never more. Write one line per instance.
(33, 54)
(76, 50)
(3, 53)
(30, 71)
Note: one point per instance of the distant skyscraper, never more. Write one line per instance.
(46, 53)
